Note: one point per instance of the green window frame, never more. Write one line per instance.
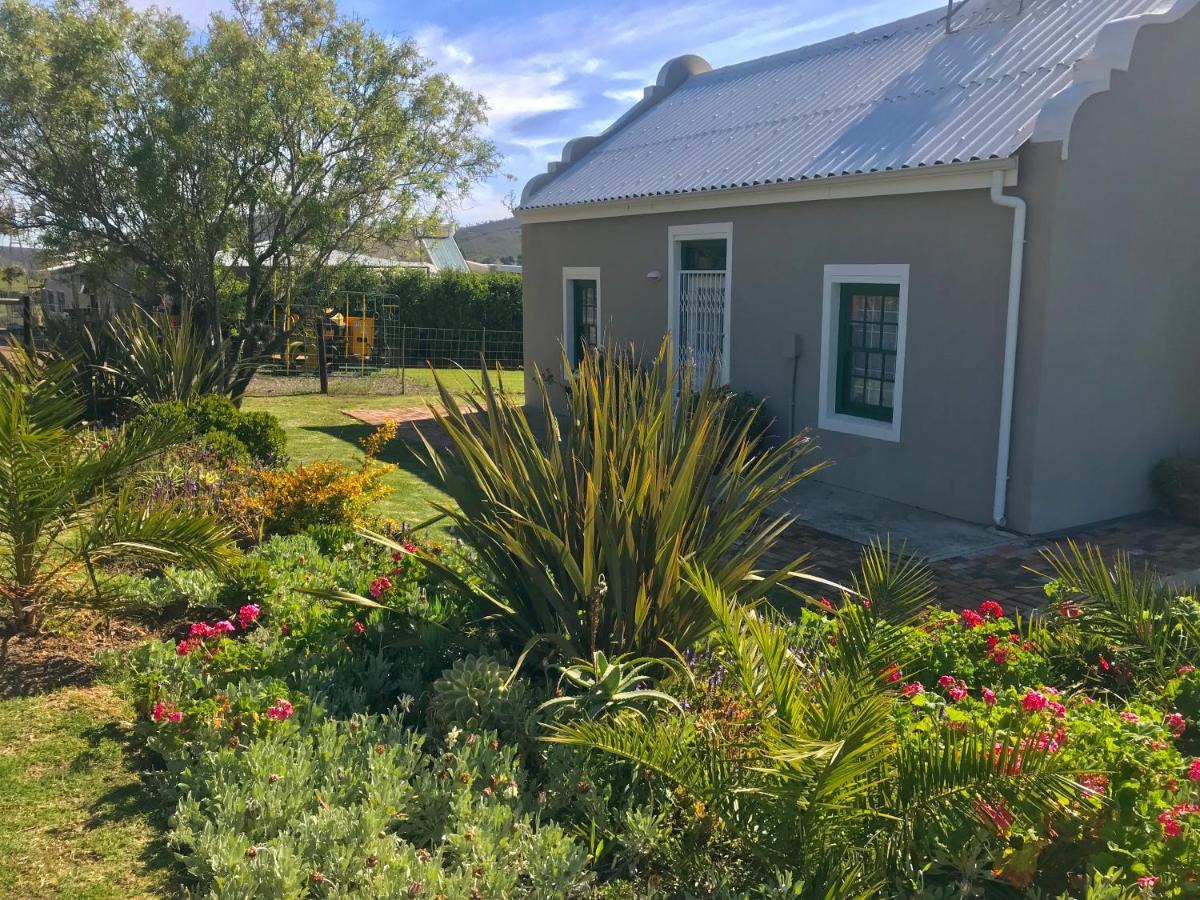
(585, 318)
(868, 344)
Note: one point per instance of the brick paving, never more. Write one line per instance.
(1152, 539)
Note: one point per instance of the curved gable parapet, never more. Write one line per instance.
(1112, 51)
(673, 74)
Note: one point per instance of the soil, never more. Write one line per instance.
(38, 664)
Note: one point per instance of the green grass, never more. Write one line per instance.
(317, 429)
(75, 821)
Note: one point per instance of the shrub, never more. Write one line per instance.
(321, 493)
(262, 436)
(583, 535)
(231, 435)
(248, 580)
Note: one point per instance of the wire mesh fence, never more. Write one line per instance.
(366, 336)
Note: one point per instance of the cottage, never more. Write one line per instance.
(963, 249)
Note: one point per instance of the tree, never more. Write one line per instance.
(247, 152)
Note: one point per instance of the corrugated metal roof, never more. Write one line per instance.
(899, 96)
(445, 254)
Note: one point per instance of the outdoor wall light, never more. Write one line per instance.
(655, 275)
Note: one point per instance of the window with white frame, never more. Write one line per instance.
(701, 259)
(581, 311)
(864, 316)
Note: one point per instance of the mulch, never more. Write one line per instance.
(38, 664)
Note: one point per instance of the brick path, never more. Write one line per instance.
(1153, 539)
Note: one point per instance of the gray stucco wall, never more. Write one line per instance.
(957, 245)
(1112, 293)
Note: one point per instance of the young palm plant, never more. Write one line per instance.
(68, 502)
(820, 779)
(583, 531)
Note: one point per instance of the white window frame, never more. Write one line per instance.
(571, 274)
(676, 234)
(828, 418)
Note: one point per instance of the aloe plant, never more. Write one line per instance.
(582, 528)
(602, 687)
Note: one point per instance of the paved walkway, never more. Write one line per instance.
(971, 563)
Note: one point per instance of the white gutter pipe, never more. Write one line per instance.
(1016, 262)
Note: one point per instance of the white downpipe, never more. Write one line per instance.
(1016, 262)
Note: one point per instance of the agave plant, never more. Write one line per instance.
(582, 528)
(603, 687)
(68, 497)
(820, 780)
(140, 357)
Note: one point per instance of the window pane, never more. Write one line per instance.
(857, 390)
(875, 366)
(872, 393)
(889, 391)
(859, 362)
(702, 256)
(889, 337)
(889, 368)
(874, 337)
(874, 309)
(891, 310)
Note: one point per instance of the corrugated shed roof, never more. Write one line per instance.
(445, 254)
(899, 96)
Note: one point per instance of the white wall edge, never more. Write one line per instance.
(1113, 51)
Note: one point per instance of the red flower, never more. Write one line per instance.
(223, 627)
(248, 615)
(991, 609)
(379, 585)
(1194, 770)
(200, 630)
(183, 648)
(970, 619)
(1176, 722)
(1130, 717)
(989, 696)
(1060, 711)
(359, 628)
(826, 605)
(160, 711)
(992, 641)
(1184, 669)
(174, 717)
(957, 693)
(1000, 655)
(912, 689)
(946, 681)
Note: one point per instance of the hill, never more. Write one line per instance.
(491, 242)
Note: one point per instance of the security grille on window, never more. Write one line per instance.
(868, 340)
(703, 270)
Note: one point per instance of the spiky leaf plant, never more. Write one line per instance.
(583, 527)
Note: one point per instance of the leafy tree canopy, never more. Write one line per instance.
(234, 158)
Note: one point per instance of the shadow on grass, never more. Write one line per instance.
(400, 453)
(135, 799)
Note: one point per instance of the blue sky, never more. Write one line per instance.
(552, 71)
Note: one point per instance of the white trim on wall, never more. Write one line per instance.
(676, 234)
(569, 275)
(828, 417)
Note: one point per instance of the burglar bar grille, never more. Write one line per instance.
(701, 338)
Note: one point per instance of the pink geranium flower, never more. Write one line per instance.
(379, 585)
(991, 609)
(248, 615)
(281, 709)
(1176, 722)
(1194, 770)
(223, 627)
(200, 630)
(989, 696)
(912, 689)
(174, 717)
(1034, 701)
(160, 711)
(957, 693)
(946, 681)
(359, 628)
(1129, 716)
(1147, 881)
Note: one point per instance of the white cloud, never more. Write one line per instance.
(627, 95)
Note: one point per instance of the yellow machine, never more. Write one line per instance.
(349, 340)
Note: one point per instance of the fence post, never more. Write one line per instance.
(27, 321)
(483, 349)
(322, 361)
(403, 358)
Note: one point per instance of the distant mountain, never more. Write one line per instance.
(491, 242)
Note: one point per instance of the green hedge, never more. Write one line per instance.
(443, 300)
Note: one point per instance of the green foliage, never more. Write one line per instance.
(247, 580)
(806, 768)
(584, 534)
(445, 299)
(230, 435)
(70, 501)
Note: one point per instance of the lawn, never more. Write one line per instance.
(317, 429)
(76, 820)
